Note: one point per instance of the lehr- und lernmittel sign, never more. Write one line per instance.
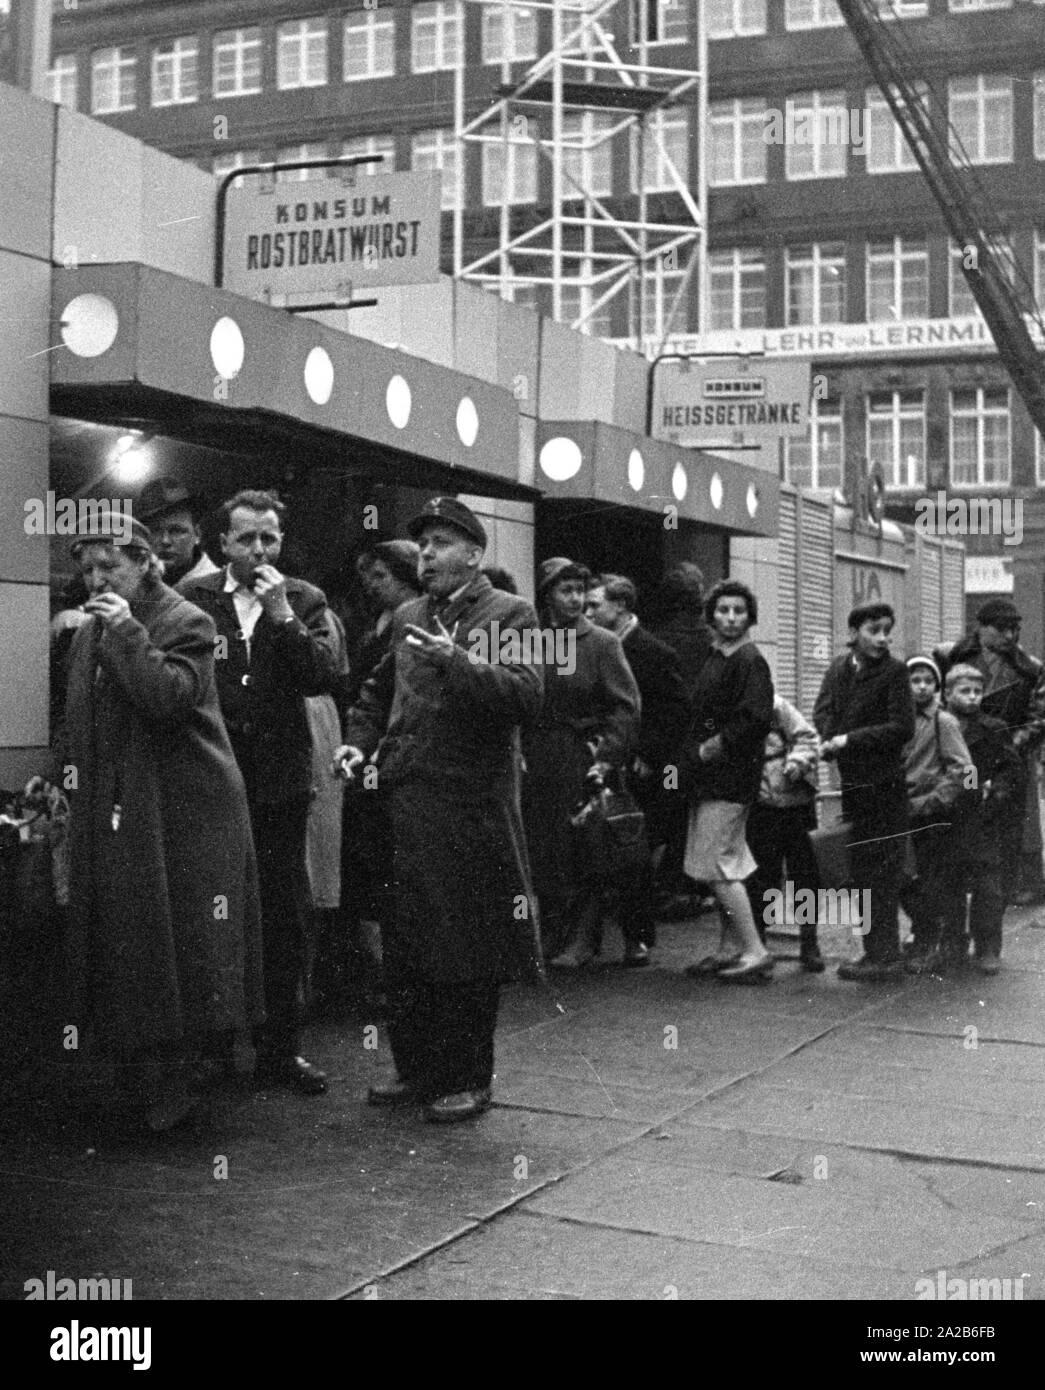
(323, 234)
(724, 402)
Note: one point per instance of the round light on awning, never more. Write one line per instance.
(89, 325)
(679, 482)
(716, 491)
(752, 499)
(467, 421)
(398, 402)
(561, 459)
(319, 375)
(636, 471)
(226, 347)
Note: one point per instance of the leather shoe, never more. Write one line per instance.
(811, 960)
(635, 955)
(464, 1105)
(871, 971)
(394, 1092)
(748, 972)
(989, 963)
(294, 1073)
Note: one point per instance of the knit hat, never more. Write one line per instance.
(402, 559)
(913, 661)
(111, 525)
(549, 572)
(997, 612)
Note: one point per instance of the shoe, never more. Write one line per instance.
(811, 960)
(749, 972)
(924, 962)
(989, 963)
(871, 971)
(635, 956)
(394, 1092)
(294, 1073)
(464, 1105)
(577, 957)
(1028, 897)
(711, 965)
(954, 957)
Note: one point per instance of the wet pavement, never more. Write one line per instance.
(652, 1137)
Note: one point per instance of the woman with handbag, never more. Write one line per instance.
(586, 728)
(731, 717)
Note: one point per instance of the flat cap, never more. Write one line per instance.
(559, 567)
(997, 611)
(451, 512)
(112, 526)
(161, 495)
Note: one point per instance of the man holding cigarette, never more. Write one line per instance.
(441, 722)
(273, 648)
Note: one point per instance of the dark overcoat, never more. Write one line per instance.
(165, 937)
(444, 738)
(597, 702)
(732, 706)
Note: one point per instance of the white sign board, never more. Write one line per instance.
(988, 574)
(324, 235)
(724, 402)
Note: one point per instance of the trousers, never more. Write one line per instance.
(442, 1033)
(279, 842)
(779, 835)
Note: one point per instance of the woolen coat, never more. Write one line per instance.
(444, 739)
(732, 709)
(164, 940)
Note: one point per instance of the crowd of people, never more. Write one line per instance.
(254, 797)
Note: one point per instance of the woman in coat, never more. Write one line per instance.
(165, 932)
(732, 714)
(587, 726)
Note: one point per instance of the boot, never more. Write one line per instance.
(809, 951)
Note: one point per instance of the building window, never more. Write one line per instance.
(175, 72)
(817, 134)
(902, 9)
(738, 142)
(1039, 266)
(522, 34)
(817, 462)
(577, 300)
(897, 279)
(980, 110)
(967, 6)
(734, 19)
(517, 184)
(814, 278)
(1039, 458)
(384, 145)
(886, 150)
(981, 448)
(301, 54)
(235, 159)
(113, 80)
(962, 300)
(812, 14)
(237, 62)
(896, 436)
(62, 77)
(435, 35)
(736, 289)
(667, 21)
(437, 149)
(589, 163)
(660, 285)
(672, 127)
(1039, 115)
(316, 150)
(369, 46)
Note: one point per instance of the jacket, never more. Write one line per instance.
(790, 758)
(730, 717)
(936, 763)
(1014, 691)
(658, 674)
(982, 815)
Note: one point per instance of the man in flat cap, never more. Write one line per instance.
(172, 515)
(1014, 692)
(439, 717)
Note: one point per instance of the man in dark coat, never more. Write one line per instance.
(1014, 692)
(865, 715)
(611, 603)
(441, 713)
(274, 647)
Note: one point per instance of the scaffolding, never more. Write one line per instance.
(576, 97)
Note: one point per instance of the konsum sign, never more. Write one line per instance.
(322, 235)
(724, 402)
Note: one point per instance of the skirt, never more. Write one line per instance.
(716, 847)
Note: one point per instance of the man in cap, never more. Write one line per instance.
(172, 515)
(1014, 692)
(275, 647)
(440, 716)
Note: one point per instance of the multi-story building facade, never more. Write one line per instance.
(823, 239)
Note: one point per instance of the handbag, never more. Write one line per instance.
(609, 835)
(831, 850)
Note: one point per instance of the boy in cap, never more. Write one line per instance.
(980, 828)
(937, 763)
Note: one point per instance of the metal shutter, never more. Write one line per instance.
(930, 581)
(953, 597)
(787, 598)
(816, 597)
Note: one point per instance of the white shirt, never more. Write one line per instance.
(248, 606)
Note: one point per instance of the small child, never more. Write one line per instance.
(976, 848)
(936, 762)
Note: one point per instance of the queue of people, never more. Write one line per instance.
(469, 727)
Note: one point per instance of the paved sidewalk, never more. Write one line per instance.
(652, 1137)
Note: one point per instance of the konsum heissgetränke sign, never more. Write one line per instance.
(323, 234)
(719, 402)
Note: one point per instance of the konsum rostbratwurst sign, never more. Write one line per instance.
(322, 235)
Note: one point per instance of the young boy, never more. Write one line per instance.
(976, 845)
(865, 716)
(937, 762)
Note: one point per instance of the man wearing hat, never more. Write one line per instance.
(1014, 692)
(172, 515)
(439, 718)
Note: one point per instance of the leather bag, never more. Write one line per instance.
(609, 833)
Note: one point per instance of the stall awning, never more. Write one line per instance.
(135, 346)
(614, 465)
